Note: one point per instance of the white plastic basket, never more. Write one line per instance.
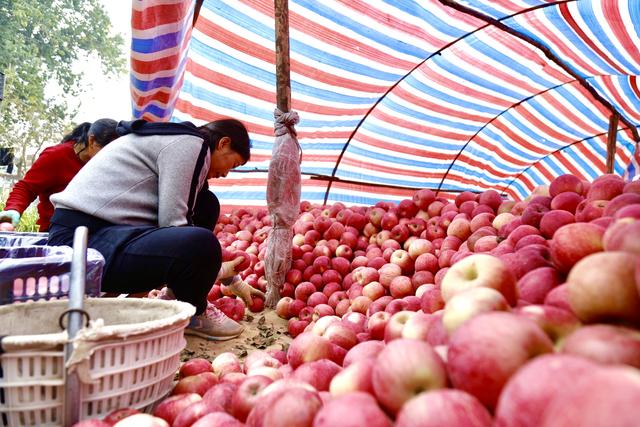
(126, 357)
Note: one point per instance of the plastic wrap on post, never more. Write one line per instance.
(283, 200)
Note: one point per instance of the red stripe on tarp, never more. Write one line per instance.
(155, 15)
(255, 50)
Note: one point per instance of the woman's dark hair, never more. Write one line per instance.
(103, 131)
(234, 129)
(78, 135)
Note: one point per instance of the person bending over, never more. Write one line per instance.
(150, 213)
(54, 168)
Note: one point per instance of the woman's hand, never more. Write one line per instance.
(228, 268)
(243, 290)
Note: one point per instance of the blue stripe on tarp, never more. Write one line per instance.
(395, 159)
(375, 179)
(373, 34)
(563, 30)
(401, 137)
(448, 98)
(243, 68)
(516, 68)
(577, 104)
(297, 47)
(485, 6)
(622, 83)
(494, 85)
(437, 121)
(467, 171)
(585, 8)
(149, 108)
(157, 44)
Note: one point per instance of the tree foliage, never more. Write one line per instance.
(41, 44)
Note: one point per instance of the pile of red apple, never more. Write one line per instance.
(470, 312)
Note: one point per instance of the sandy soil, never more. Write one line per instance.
(264, 330)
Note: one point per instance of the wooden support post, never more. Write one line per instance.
(611, 142)
(283, 70)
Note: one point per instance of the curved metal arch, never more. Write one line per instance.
(551, 153)
(392, 87)
(549, 54)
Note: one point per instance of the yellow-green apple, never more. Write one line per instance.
(479, 270)
(487, 350)
(553, 220)
(377, 324)
(606, 344)
(602, 397)
(534, 286)
(527, 395)
(355, 377)
(318, 373)
(506, 206)
(437, 408)
(396, 323)
(141, 420)
(169, 408)
(555, 321)
(352, 410)
(470, 303)
(276, 409)
(567, 201)
(563, 183)
(623, 235)
(217, 419)
(602, 287)
(308, 347)
(421, 369)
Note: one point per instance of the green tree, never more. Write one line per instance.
(41, 43)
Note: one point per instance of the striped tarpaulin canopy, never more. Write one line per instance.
(397, 95)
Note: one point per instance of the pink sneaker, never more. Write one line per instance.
(214, 325)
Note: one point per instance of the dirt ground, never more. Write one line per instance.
(264, 330)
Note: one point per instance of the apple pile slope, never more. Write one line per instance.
(475, 311)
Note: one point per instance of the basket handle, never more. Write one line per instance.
(76, 296)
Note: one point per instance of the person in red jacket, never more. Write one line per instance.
(54, 168)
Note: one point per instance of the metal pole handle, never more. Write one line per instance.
(76, 298)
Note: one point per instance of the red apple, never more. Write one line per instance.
(606, 344)
(296, 326)
(198, 383)
(194, 412)
(355, 377)
(480, 270)
(529, 392)
(404, 369)
(387, 273)
(470, 303)
(217, 419)
(534, 286)
(601, 397)
(275, 409)
(169, 408)
(400, 287)
(247, 395)
(83, 423)
(363, 350)
(318, 373)
(423, 198)
(352, 410)
(377, 324)
(226, 362)
(566, 182)
(487, 350)
(195, 366)
(117, 415)
(623, 236)
(556, 322)
(308, 347)
(451, 408)
(601, 287)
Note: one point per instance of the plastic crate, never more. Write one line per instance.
(14, 238)
(127, 359)
(31, 273)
